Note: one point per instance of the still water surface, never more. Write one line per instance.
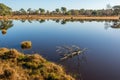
(101, 60)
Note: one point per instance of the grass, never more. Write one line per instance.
(62, 17)
(26, 44)
(15, 65)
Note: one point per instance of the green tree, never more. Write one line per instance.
(74, 12)
(57, 10)
(88, 12)
(116, 10)
(68, 12)
(36, 12)
(94, 13)
(82, 11)
(5, 10)
(22, 11)
(29, 11)
(42, 11)
(63, 9)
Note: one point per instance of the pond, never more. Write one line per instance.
(101, 60)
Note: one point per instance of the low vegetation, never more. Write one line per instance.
(5, 10)
(26, 44)
(18, 66)
(63, 11)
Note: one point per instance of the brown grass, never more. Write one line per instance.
(18, 66)
(62, 17)
(26, 44)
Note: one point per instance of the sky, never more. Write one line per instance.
(53, 4)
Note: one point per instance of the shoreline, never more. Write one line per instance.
(19, 66)
(62, 17)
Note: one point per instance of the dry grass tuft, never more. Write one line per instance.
(26, 44)
(17, 66)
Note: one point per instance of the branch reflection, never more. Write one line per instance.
(5, 25)
(72, 57)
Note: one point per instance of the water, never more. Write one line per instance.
(101, 60)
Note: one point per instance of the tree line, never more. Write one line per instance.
(109, 11)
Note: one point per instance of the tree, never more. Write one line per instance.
(94, 13)
(63, 9)
(42, 11)
(36, 12)
(68, 12)
(116, 10)
(88, 12)
(82, 11)
(72, 12)
(29, 11)
(22, 11)
(57, 11)
(5, 10)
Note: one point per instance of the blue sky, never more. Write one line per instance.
(53, 4)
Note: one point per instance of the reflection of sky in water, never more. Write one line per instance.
(103, 45)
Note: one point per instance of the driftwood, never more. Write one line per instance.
(72, 54)
(67, 52)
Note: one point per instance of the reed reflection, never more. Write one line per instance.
(65, 21)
